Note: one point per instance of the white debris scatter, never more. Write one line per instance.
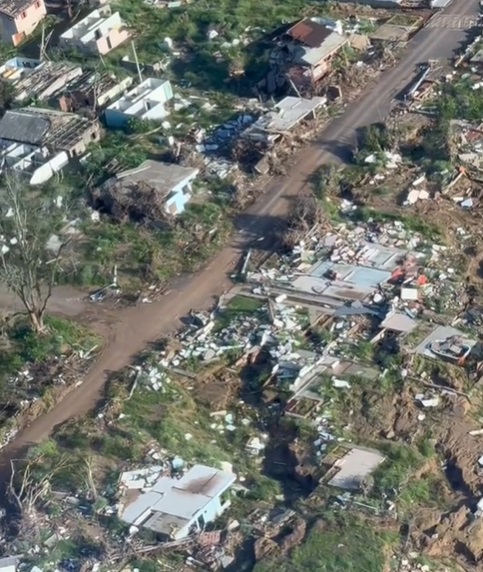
(255, 445)
(427, 402)
(141, 478)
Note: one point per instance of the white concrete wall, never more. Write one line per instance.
(46, 171)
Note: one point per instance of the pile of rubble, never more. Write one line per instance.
(419, 268)
(274, 328)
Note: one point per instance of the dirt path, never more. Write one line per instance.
(127, 331)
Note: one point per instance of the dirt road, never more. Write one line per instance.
(129, 330)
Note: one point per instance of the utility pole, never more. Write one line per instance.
(137, 62)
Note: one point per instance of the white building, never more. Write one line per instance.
(38, 164)
(15, 68)
(145, 102)
(176, 507)
(98, 33)
(9, 564)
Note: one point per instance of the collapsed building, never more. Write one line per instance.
(33, 79)
(149, 192)
(40, 142)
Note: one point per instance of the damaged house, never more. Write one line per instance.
(285, 115)
(152, 190)
(39, 142)
(90, 90)
(19, 18)
(311, 47)
(145, 102)
(97, 34)
(33, 79)
(328, 370)
(176, 507)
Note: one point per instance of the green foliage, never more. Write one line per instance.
(142, 126)
(392, 475)
(459, 100)
(362, 350)
(418, 492)
(325, 181)
(190, 24)
(412, 222)
(345, 544)
(24, 346)
(144, 252)
(239, 305)
(7, 93)
(375, 138)
(264, 489)
(435, 144)
(49, 460)
(126, 153)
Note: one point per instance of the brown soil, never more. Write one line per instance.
(437, 533)
(127, 331)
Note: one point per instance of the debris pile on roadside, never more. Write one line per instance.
(274, 327)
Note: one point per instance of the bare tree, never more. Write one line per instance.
(28, 219)
(29, 488)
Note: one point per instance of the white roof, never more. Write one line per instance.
(181, 498)
(331, 44)
(357, 464)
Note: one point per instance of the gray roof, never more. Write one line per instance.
(23, 127)
(172, 503)
(354, 467)
(161, 176)
(9, 561)
(45, 127)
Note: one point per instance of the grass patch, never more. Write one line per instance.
(143, 253)
(411, 222)
(401, 462)
(239, 306)
(189, 26)
(347, 544)
(411, 476)
(171, 421)
(23, 351)
(22, 346)
(459, 100)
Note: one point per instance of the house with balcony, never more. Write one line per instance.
(146, 102)
(97, 34)
(19, 18)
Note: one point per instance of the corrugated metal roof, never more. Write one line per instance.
(309, 32)
(24, 127)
